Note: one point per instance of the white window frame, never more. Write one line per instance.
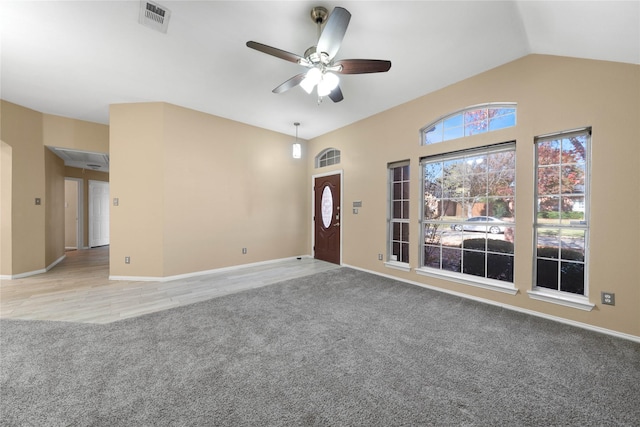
(391, 220)
(463, 126)
(459, 277)
(556, 296)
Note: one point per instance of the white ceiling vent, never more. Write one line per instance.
(154, 16)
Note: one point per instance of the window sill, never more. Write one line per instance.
(492, 285)
(579, 302)
(402, 266)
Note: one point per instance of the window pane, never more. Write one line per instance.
(453, 133)
(404, 252)
(433, 234)
(547, 274)
(548, 243)
(451, 259)
(474, 263)
(397, 174)
(405, 190)
(549, 210)
(397, 191)
(396, 231)
(572, 244)
(572, 277)
(549, 152)
(499, 208)
(431, 256)
(405, 232)
(573, 179)
(397, 209)
(574, 149)
(395, 251)
(500, 267)
(572, 210)
(434, 134)
(453, 121)
(501, 122)
(548, 180)
(405, 210)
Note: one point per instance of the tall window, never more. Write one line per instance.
(468, 221)
(470, 121)
(398, 229)
(562, 211)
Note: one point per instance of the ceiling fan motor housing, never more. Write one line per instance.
(319, 14)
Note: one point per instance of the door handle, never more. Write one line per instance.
(337, 224)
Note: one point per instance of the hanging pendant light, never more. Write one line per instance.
(297, 148)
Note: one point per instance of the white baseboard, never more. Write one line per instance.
(23, 275)
(56, 262)
(32, 273)
(202, 273)
(508, 307)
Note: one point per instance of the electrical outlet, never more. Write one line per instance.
(608, 298)
(127, 260)
(116, 201)
(244, 251)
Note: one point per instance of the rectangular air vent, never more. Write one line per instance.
(154, 16)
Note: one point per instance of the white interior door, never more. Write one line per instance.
(98, 213)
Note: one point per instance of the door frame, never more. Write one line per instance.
(313, 209)
(80, 213)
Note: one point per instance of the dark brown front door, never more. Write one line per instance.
(327, 218)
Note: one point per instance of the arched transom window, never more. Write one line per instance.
(328, 157)
(470, 121)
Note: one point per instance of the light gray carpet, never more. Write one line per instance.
(337, 348)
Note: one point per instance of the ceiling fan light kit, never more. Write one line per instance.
(319, 59)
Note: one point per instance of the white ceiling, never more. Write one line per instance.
(75, 58)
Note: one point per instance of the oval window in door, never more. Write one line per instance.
(327, 207)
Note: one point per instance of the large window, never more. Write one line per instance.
(468, 222)
(470, 121)
(398, 218)
(561, 221)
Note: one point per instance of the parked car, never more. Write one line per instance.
(481, 224)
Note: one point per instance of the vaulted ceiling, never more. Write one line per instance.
(75, 58)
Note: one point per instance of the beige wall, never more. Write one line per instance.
(54, 207)
(85, 175)
(62, 132)
(209, 188)
(5, 209)
(21, 128)
(33, 238)
(553, 94)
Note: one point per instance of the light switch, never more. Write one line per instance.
(38, 201)
(116, 201)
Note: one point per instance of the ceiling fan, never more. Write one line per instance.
(320, 59)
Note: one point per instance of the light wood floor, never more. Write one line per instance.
(79, 290)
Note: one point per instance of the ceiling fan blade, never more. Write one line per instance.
(278, 53)
(290, 84)
(334, 30)
(363, 66)
(336, 95)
